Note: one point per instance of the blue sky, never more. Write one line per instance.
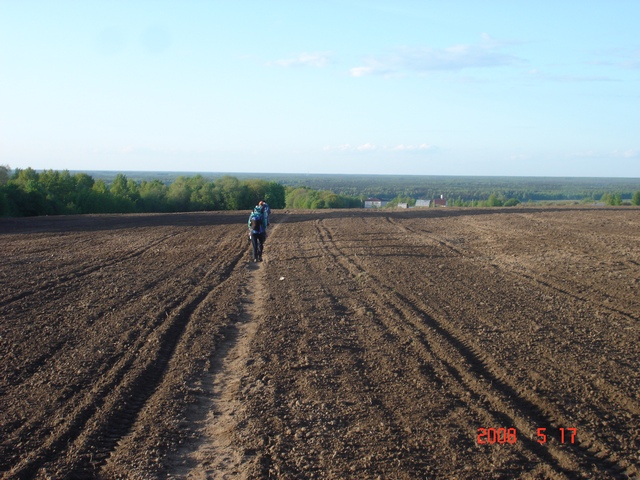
(545, 88)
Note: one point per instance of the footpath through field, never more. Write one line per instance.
(211, 451)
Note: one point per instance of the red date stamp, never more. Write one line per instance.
(567, 435)
(496, 435)
(490, 436)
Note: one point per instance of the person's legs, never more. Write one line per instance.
(257, 246)
(261, 239)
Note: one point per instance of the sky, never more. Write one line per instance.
(515, 88)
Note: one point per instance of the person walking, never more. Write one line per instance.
(267, 210)
(257, 231)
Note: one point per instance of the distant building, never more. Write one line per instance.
(423, 203)
(373, 203)
(403, 205)
(440, 202)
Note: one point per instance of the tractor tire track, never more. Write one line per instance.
(620, 398)
(109, 411)
(17, 378)
(473, 372)
(83, 271)
(592, 444)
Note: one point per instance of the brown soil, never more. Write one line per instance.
(366, 345)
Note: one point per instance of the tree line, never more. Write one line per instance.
(304, 197)
(28, 193)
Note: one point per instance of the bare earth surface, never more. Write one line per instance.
(410, 344)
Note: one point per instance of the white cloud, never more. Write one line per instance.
(317, 60)
(487, 54)
(361, 71)
(367, 147)
(347, 147)
(412, 148)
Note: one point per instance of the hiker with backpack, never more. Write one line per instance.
(258, 231)
(267, 210)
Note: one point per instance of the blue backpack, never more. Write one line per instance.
(256, 222)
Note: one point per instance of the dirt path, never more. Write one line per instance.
(210, 452)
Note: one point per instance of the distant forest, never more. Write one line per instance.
(27, 192)
(461, 188)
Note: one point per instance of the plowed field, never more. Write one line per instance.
(412, 344)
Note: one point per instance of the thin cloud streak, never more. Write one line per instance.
(487, 54)
(316, 60)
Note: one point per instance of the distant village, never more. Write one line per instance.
(420, 203)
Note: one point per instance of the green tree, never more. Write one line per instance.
(118, 187)
(304, 198)
(83, 182)
(82, 197)
(22, 176)
(275, 195)
(4, 174)
(124, 193)
(611, 199)
(236, 195)
(257, 189)
(617, 199)
(494, 201)
(300, 197)
(179, 194)
(635, 200)
(245, 199)
(133, 191)
(60, 189)
(153, 196)
(26, 195)
(206, 197)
